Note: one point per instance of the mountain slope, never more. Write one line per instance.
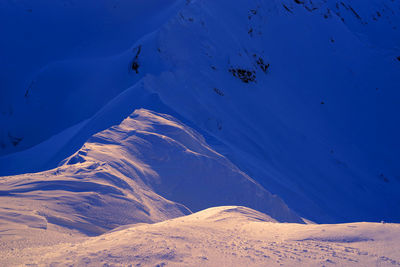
(301, 99)
(288, 107)
(148, 169)
(66, 39)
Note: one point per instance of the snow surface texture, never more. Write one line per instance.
(301, 96)
(122, 175)
(286, 107)
(222, 236)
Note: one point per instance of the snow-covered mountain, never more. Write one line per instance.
(129, 112)
(301, 95)
(39, 39)
(129, 174)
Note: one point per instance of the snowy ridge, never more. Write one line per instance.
(131, 173)
(311, 120)
(246, 114)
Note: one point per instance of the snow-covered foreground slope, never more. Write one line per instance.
(220, 236)
(148, 169)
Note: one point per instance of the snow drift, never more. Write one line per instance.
(222, 236)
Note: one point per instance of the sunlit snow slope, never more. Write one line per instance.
(147, 169)
(302, 96)
(222, 236)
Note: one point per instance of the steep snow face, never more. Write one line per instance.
(304, 105)
(149, 168)
(302, 96)
(43, 43)
(375, 22)
(220, 236)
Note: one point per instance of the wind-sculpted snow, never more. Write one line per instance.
(288, 107)
(149, 168)
(302, 96)
(223, 236)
